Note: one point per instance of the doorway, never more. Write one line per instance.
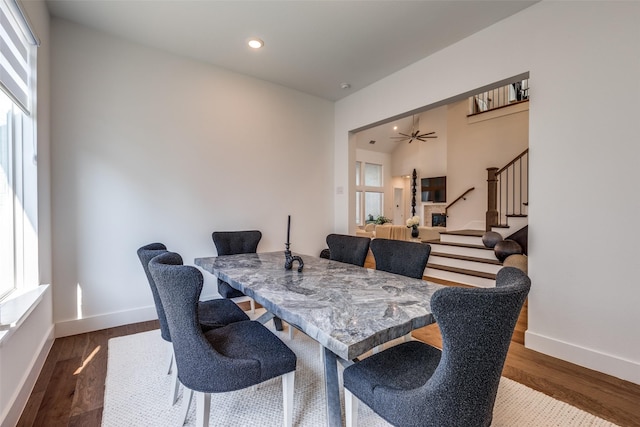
(398, 206)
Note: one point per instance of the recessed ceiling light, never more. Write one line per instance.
(255, 43)
(395, 128)
(345, 86)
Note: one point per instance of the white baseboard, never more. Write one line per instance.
(110, 320)
(21, 396)
(609, 364)
(103, 321)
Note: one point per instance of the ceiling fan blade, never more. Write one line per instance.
(428, 133)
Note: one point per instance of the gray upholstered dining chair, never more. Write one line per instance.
(234, 243)
(348, 249)
(415, 384)
(212, 314)
(401, 257)
(233, 357)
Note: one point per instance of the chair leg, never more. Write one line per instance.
(277, 322)
(291, 328)
(187, 395)
(253, 305)
(350, 408)
(408, 337)
(175, 384)
(203, 409)
(171, 358)
(287, 398)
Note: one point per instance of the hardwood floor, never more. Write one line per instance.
(70, 388)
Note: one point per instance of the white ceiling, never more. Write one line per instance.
(310, 46)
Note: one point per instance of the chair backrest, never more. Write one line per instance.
(349, 249)
(401, 257)
(233, 243)
(236, 242)
(200, 366)
(477, 325)
(146, 253)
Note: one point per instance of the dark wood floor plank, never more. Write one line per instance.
(56, 403)
(28, 416)
(72, 346)
(87, 419)
(91, 375)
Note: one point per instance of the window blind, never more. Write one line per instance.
(16, 43)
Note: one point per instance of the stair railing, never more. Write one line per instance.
(461, 197)
(508, 191)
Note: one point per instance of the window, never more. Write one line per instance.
(18, 218)
(370, 195)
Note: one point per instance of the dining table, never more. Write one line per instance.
(346, 308)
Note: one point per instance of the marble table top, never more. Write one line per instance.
(346, 308)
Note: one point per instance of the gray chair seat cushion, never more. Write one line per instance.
(252, 347)
(216, 313)
(405, 367)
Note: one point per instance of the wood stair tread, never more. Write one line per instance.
(466, 258)
(472, 233)
(468, 272)
(462, 245)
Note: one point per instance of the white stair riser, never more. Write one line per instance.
(515, 224)
(466, 264)
(458, 250)
(455, 238)
(460, 278)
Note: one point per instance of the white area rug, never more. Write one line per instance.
(137, 389)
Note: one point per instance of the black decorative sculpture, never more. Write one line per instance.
(288, 258)
(414, 184)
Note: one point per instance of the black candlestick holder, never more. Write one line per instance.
(289, 259)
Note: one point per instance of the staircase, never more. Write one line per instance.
(461, 257)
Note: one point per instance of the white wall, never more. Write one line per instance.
(582, 140)
(22, 354)
(492, 139)
(147, 146)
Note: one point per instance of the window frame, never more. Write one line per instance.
(361, 191)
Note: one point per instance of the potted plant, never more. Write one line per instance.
(382, 219)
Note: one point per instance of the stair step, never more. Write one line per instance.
(467, 258)
(484, 275)
(475, 233)
(462, 245)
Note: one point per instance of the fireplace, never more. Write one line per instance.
(438, 220)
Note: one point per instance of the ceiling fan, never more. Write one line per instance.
(414, 134)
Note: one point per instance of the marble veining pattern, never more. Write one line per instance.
(346, 308)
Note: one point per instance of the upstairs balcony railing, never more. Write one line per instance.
(499, 97)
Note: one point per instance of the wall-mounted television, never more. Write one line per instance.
(434, 189)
